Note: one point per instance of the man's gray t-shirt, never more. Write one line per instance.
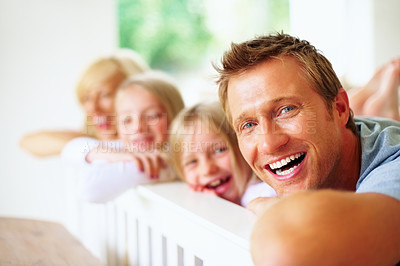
(380, 162)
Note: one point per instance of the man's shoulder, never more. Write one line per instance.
(380, 146)
(376, 122)
(373, 129)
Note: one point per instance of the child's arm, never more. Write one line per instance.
(102, 181)
(148, 162)
(110, 172)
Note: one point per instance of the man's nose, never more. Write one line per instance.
(270, 138)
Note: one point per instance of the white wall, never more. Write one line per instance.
(357, 36)
(44, 46)
(386, 30)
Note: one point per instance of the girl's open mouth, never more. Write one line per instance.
(217, 183)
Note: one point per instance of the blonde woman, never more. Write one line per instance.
(95, 91)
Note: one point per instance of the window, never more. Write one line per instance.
(183, 36)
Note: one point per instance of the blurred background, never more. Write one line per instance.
(46, 44)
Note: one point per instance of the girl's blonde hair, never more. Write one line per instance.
(111, 69)
(210, 116)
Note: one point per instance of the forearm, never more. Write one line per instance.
(328, 228)
(110, 155)
(101, 182)
(47, 143)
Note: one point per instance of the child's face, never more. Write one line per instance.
(142, 119)
(207, 165)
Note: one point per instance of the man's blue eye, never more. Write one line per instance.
(287, 109)
(249, 125)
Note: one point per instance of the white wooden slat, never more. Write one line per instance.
(180, 255)
(144, 242)
(121, 237)
(172, 252)
(164, 251)
(188, 257)
(198, 261)
(111, 237)
(157, 247)
(132, 240)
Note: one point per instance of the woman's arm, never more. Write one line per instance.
(47, 143)
(328, 228)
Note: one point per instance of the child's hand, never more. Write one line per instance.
(107, 155)
(150, 163)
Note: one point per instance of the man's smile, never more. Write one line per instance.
(286, 165)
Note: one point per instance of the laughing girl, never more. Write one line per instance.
(205, 154)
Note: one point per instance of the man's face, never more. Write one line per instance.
(284, 128)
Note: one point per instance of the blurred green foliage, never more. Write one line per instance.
(169, 34)
(172, 34)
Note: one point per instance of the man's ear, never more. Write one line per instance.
(341, 107)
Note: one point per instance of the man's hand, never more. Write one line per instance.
(261, 204)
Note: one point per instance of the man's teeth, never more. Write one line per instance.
(283, 162)
(286, 172)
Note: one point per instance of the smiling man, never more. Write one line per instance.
(296, 130)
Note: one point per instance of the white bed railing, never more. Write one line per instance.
(168, 224)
